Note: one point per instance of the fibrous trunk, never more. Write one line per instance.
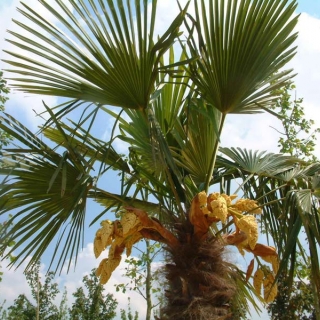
(199, 281)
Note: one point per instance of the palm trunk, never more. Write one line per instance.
(198, 283)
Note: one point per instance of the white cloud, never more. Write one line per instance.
(251, 132)
(307, 64)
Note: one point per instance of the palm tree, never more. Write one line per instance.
(105, 54)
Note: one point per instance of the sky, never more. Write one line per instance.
(257, 133)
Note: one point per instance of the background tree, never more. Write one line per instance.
(4, 228)
(22, 308)
(143, 279)
(296, 302)
(299, 139)
(93, 304)
(63, 307)
(3, 312)
(299, 136)
(44, 293)
(172, 113)
(127, 314)
(90, 303)
(4, 90)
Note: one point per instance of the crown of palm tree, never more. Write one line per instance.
(107, 53)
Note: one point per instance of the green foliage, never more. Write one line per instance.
(63, 308)
(93, 304)
(3, 312)
(4, 90)
(138, 270)
(127, 314)
(4, 141)
(44, 293)
(90, 303)
(298, 139)
(22, 309)
(296, 303)
(299, 136)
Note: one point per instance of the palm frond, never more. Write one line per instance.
(196, 138)
(241, 47)
(258, 162)
(104, 52)
(48, 193)
(289, 210)
(89, 146)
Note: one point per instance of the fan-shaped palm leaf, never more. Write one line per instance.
(242, 44)
(196, 139)
(258, 162)
(87, 145)
(103, 52)
(48, 189)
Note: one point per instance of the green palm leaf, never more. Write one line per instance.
(242, 45)
(49, 192)
(103, 53)
(81, 140)
(196, 138)
(257, 162)
(289, 207)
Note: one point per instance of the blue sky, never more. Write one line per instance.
(311, 7)
(257, 134)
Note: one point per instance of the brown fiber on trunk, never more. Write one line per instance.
(199, 282)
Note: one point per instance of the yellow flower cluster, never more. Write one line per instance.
(274, 262)
(129, 222)
(248, 224)
(216, 195)
(119, 236)
(202, 196)
(219, 209)
(270, 287)
(247, 205)
(215, 205)
(258, 280)
(106, 267)
(103, 237)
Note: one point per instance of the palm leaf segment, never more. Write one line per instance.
(112, 60)
(61, 201)
(49, 189)
(242, 45)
